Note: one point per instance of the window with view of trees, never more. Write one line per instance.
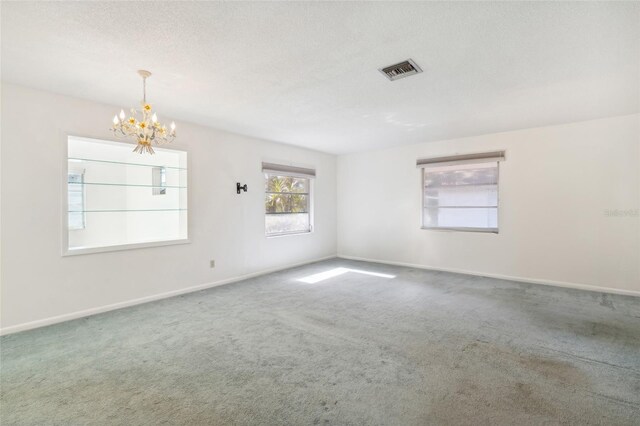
(287, 204)
(461, 193)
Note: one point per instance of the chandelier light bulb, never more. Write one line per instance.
(115, 120)
(173, 126)
(154, 118)
(121, 114)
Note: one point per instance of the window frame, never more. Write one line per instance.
(64, 200)
(461, 228)
(310, 206)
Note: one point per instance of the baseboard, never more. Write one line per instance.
(112, 307)
(564, 284)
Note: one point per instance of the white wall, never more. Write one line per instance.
(555, 188)
(40, 286)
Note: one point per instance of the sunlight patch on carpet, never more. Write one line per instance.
(321, 276)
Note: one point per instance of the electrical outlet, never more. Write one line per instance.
(212, 263)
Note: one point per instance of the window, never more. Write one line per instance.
(112, 197)
(75, 187)
(287, 199)
(461, 192)
(159, 180)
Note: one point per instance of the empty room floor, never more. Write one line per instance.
(337, 342)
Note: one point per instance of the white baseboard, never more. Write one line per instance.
(98, 310)
(576, 286)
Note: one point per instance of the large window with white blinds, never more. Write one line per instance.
(461, 192)
(288, 199)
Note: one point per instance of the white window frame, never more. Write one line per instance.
(273, 169)
(480, 158)
(64, 202)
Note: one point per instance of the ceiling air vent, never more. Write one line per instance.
(401, 70)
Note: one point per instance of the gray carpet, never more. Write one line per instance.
(354, 349)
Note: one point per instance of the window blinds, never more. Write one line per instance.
(454, 160)
(273, 168)
(461, 192)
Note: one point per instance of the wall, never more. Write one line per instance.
(556, 188)
(39, 286)
(569, 200)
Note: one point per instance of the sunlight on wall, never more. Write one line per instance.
(315, 278)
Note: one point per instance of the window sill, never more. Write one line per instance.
(122, 247)
(287, 234)
(479, 230)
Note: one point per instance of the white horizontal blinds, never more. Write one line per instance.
(275, 169)
(462, 193)
(453, 160)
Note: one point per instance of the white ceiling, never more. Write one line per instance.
(306, 73)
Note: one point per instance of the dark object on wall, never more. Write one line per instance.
(241, 187)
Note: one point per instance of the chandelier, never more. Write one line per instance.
(145, 129)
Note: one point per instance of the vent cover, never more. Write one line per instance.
(401, 70)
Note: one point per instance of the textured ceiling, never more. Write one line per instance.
(306, 73)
